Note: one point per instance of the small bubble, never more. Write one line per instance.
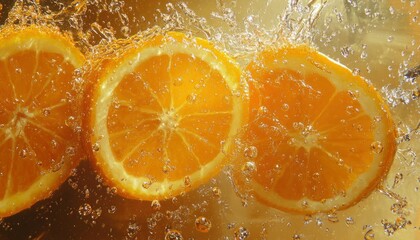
(173, 234)
(202, 224)
(251, 152)
(285, 107)
(111, 190)
(95, 147)
(96, 213)
(249, 167)
(241, 233)
(112, 209)
(71, 151)
(369, 235)
(216, 192)
(155, 205)
(363, 55)
(85, 209)
(376, 147)
(125, 31)
(187, 181)
(191, 98)
(349, 221)
(146, 184)
(356, 71)
(46, 112)
(296, 237)
(178, 82)
(333, 218)
(132, 229)
(346, 51)
(23, 153)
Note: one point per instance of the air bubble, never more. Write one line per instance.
(376, 147)
(251, 152)
(173, 234)
(202, 224)
(146, 184)
(241, 233)
(95, 147)
(216, 192)
(155, 205)
(85, 209)
(23, 153)
(187, 181)
(349, 221)
(249, 167)
(369, 235)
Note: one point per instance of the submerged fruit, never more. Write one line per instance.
(162, 115)
(319, 138)
(39, 143)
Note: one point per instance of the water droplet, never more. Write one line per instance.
(155, 205)
(369, 235)
(251, 152)
(202, 224)
(249, 167)
(376, 147)
(132, 229)
(346, 51)
(349, 221)
(46, 112)
(112, 209)
(296, 237)
(397, 179)
(356, 71)
(216, 192)
(23, 153)
(333, 218)
(95, 147)
(191, 98)
(85, 209)
(111, 190)
(146, 184)
(285, 107)
(96, 213)
(241, 233)
(363, 55)
(187, 181)
(173, 234)
(71, 151)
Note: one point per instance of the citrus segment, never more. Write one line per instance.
(39, 144)
(324, 137)
(162, 116)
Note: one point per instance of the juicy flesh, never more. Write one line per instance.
(314, 140)
(35, 118)
(169, 117)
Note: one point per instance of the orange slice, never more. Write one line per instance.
(162, 115)
(319, 137)
(39, 144)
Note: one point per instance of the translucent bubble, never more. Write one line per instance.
(187, 181)
(251, 152)
(369, 235)
(112, 209)
(349, 221)
(146, 184)
(173, 234)
(202, 224)
(23, 153)
(85, 209)
(216, 192)
(376, 147)
(95, 147)
(249, 167)
(155, 205)
(241, 233)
